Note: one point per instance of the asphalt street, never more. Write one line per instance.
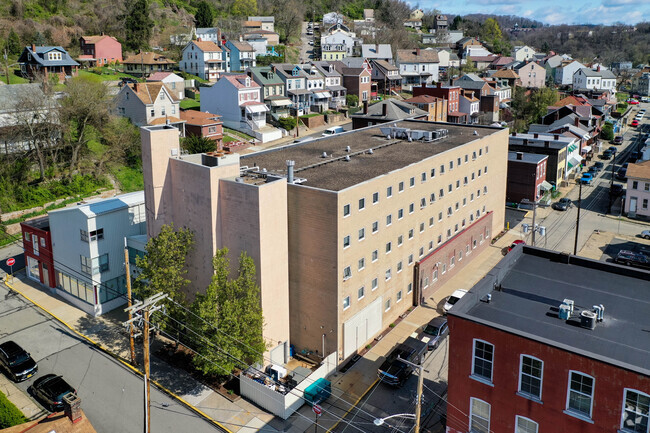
(112, 395)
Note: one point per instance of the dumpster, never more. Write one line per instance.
(318, 391)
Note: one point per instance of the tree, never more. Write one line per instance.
(468, 66)
(197, 144)
(13, 43)
(85, 109)
(138, 25)
(163, 269)
(121, 140)
(607, 133)
(351, 100)
(231, 318)
(456, 23)
(491, 31)
(289, 15)
(204, 15)
(242, 8)
(287, 123)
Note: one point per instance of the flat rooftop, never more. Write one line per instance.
(334, 173)
(533, 282)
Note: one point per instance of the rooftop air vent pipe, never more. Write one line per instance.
(347, 149)
(347, 157)
(475, 133)
(370, 151)
(290, 165)
(324, 155)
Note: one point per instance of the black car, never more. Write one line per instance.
(621, 173)
(612, 149)
(618, 140)
(562, 204)
(435, 331)
(606, 154)
(616, 190)
(630, 258)
(598, 165)
(395, 372)
(17, 362)
(50, 390)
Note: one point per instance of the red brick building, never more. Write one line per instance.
(203, 124)
(529, 352)
(451, 94)
(37, 243)
(526, 176)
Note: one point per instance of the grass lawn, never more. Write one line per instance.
(241, 134)
(190, 104)
(292, 54)
(130, 179)
(228, 139)
(13, 78)
(621, 107)
(307, 116)
(107, 75)
(622, 96)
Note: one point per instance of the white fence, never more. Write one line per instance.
(283, 405)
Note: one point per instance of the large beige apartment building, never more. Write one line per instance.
(368, 222)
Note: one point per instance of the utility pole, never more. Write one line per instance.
(129, 297)
(611, 185)
(575, 245)
(146, 308)
(418, 403)
(534, 226)
(7, 65)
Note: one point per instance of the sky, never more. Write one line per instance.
(550, 11)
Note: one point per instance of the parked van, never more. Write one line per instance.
(333, 131)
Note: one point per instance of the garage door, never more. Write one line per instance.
(361, 327)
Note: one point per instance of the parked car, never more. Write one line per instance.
(634, 123)
(395, 372)
(333, 131)
(515, 243)
(586, 178)
(599, 165)
(563, 204)
(455, 297)
(16, 362)
(50, 390)
(645, 234)
(630, 258)
(621, 174)
(632, 101)
(435, 331)
(616, 190)
(612, 149)
(618, 140)
(606, 154)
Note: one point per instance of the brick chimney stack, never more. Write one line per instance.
(417, 51)
(33, 48)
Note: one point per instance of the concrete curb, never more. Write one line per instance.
(352, 406)
(122, 361)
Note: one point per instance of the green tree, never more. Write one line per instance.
(351, 100)
(138, 25)
(242, 8)
(204, 15)
(287, 123)
(468, 66)
(456, 23)
(607, 133)
(231, 316)
(197, 144)
(491, 31)
(164, 268)
(13, 43)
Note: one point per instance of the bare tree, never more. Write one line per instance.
(289, 15)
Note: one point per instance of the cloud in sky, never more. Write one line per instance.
(552, 11)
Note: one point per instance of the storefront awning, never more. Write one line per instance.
(573, 162)
(280, 102)
(546, 186)
(322, 95)
(586, 149)
(257, 108)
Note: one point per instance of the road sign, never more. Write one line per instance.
(317, 409)
(11, 261)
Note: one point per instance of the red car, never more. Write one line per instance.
(632, 101)
(634, 123)
(515, 243)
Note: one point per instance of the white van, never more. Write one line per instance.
(333, 131)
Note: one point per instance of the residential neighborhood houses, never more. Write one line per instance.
(338, 191)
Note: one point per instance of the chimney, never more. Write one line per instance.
(241, 38)
(33, 48)
(273, 68)
(598, 69)
(439, 85)
(556, 137)
(520, 156)
(514, 134)
(290, 165)
(135, 86)
(219, 37)
(384, 109)
(365, 107)
(576, 122)
(417, 51)
(376, 48)
(536, 135)
(198, 39)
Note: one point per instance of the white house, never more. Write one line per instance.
(470, 105)
(522, 53)
(238, 99)
(447, 59)
(319, 98)
(149, 104)
(417, 67)
(564, 73)
(258, 42)
(333, 83)
(377, 52)
(268, 23)
(585, 78)
(339, 36)
(88, 245)
(203, 59)
(174, 83)
(476, 51)
(209, 34)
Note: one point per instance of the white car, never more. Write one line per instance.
(645, 234)
(455, 297)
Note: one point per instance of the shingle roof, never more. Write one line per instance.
(96, 38)
(39, 56)
(640, 170)
(206, 46)
(384, 65)
(10, 96)
(506, 73)
(239, 81)
(395, 110)
(376, 51)
(148, 58)
(422, 99)
(193, 117)
(242, 46)
(412, 56)
(502, 60)
(262, 73)
(148, 92)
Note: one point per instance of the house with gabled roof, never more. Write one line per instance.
(417, 67)
(388, 110)
(149, 104)
(564, 73)
(242, 55)
(509, 75)
(100, 50)
(594, 79)
(173, 82)
(146, 63)
(238, 99)
(436, 107)
(386, 76)
(204, 59)
(356, 79)
(333, 84)
(377, 52)
(47, 61)
(266, 22)
(295, 84)
(522, 53)
(209, 34)
(272, 90)
(203, 124)
(531, 74)
(500, 61)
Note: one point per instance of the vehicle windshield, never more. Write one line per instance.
(19, 358)
(432, 330)
(452, 300)
(327, 132)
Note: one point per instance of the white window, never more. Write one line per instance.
(347, 272)
(389, 191)
(362, 263)
(374, 284)
(375, 198)
(399, 266)
(362, 203)
(361, 293)
(635, 411)
(389, 220)
(346, 241)
(580, 394)
(399, 296)
(388, 274)
(346, 302)
(530, 376)
(362, 234)
(525, 425)
(479, 418)
(387, 305)
(483, 359)
(389, 247)
(375, 227)
(346, 210)
(409, 288)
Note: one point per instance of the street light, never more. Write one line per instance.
(380, 421)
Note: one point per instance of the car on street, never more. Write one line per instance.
(642, 111)
(515, 243)
(455, 297)
(563, 204)
(630, 258)
(618, 139)
(435, 331)
(586, 178)
(645, 234)
(395, 372)
(607, 154)
(612, 149)
(49, 390)
(598, 165)
(632, 101)
(634, 123)
(616, 190)
(621, 174)
(16, 362)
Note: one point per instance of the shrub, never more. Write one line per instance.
(9, 414)
(287, 123)
(607, 133)
(352, 100)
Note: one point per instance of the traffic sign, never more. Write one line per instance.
(11, 261)
(317, 409)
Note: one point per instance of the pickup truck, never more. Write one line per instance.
(395, 372)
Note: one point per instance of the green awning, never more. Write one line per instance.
(570, 165)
